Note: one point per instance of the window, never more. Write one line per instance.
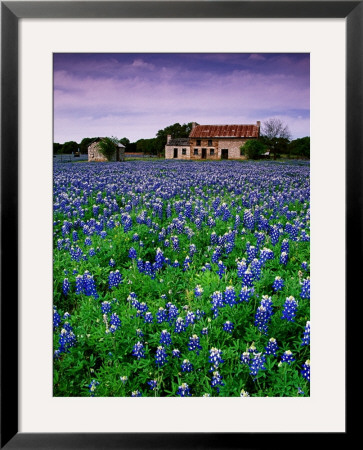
(195, 151)
(198, 143)
(211, 152)
(210, 143)
(184, 151)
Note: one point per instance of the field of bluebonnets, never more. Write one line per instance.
(182, 279)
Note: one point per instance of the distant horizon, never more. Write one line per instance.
(134, 95)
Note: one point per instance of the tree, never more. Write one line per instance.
(275, 134)
(300, 147)
(57, 148)
(107, 146)
(85, 142)
(70, 147)
(253, 148)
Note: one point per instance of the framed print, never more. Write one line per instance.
(42, 44)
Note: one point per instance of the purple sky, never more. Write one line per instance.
(135, 95)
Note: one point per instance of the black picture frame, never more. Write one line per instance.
(11, 13)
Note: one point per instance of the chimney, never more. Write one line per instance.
(258, 123)
(194, 124)
(168, 138)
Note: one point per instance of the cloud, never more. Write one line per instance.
(139, 96)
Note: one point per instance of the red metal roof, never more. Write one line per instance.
(225, 131)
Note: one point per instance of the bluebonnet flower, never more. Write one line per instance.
(161, 315)
(136, 393)
(199, 314)
(115, 323)
(105, 307)
(159, 259)
(221, 269)
(204, 331)
(228, 326)
(139, 333)
(285, 247)
(66, 286)
(111, 262)
(186, 263)
(140, 265)
(173, 312)
(290, 308)
(247, 278)
(213, 238)
(176, 353)
(216, 254)
(245, 294)
(79, 284)
(89, 285)
(305, 372)
(304, 265)
(306, 336)
(148, 317)
(271, 347)
(183, 390)
(160, 356)
(217, 302)
(256, 266)
(175, 242)
(135, 237)
(92, 387)
(257, 364)
(230, 296)
(274, 234)
(190, 318)
(305, 288)
(179, 325)
(215, 357)
(241, 267)
(284, 257)
(56, 318)
(288, 357)
(263, 314)
(194, 344)
(165, 338)
(251, 253)
(176, 263)
(88, 241)
(92, 251)
(192, 249)
(245, 358)
(198, 291)
(266, 254)
(132, 253)
(208, 266)
(153, 385)
(67, 339)
(217, 380)
(148, 268)
(186, 366)
(103, 234)
(124, 378)
(139, 350)
(66, 315)
(141, 309)
(248, 219)
(278, 284)
(244, 393)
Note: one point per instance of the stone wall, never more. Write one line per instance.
(169, 152)
(232, 145)
(95, 155)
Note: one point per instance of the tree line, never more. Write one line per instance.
(275, 137)
(153, 146)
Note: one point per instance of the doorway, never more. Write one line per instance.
(204, 153)
(175, 152)
(224, 154)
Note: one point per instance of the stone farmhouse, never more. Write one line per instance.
(212, 142)
(94, 153)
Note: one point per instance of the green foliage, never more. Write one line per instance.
(300, 147)
(70, 147)
(107, 146)
(85, 142)
(57, 148)
(253, 148)
(275, 134)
